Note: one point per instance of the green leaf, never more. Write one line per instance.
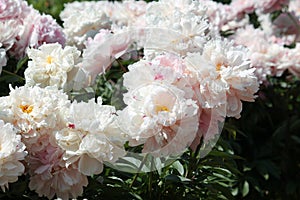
(245, 189)
(179, 167)
(175, 178)
(21, 63)
(224, 155)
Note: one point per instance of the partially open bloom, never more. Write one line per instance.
(52, 65)
(11, 153)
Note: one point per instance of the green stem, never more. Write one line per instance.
(122, 67)
(139, 169)
(13, 74)
(150, 179)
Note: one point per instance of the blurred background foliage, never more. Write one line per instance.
(256, 157)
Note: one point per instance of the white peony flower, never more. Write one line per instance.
(11, 153)
(182, 25)
(127, 13)
(33, 109)
(91, 136)
(52, 65)
(158, 114)
(83, 20)
(224, 75)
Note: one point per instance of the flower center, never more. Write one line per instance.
(218, 66)
(26, 108)
(49, 59)
(160, 108)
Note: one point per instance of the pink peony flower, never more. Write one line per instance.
(49, 175)
(36, 30)
(11, 9)
(268, 6)
(30, 28)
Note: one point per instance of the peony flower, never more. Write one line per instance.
(46, 30)
(52, 65)
(267, 57)
(127, 13)
(83, 20)
(224, 75)
(33, 110)
(90, 137)
(49, 175)
(159, 105)
(11, 153)
(8, 33)
(182, 25)
(33, 30)
(161, 119)
(10, 9)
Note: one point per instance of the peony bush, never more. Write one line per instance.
(129, 99)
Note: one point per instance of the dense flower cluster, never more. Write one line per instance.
(22, 26)
(63, 143)
(270, 43)
(184, 82)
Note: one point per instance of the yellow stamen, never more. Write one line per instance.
(49, 59)
(160, 108)
(26, 108)
(218, 66)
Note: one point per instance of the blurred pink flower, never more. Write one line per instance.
(11, 9)
(268, 6)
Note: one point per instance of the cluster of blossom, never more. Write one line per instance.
(22, 26)
(65, 142)
(269, 44)
(178, 93)
(84, 19)
(201, 77)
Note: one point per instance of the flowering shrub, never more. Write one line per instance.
(133, 87)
